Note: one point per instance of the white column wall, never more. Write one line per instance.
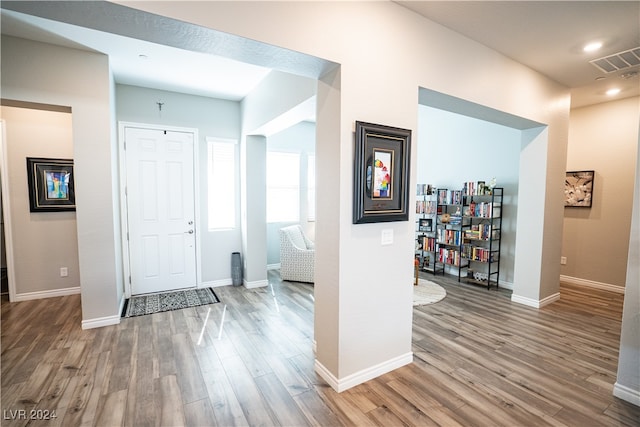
(47, 74)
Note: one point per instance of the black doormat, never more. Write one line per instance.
(139, 305)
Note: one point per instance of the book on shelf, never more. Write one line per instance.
(424, 189)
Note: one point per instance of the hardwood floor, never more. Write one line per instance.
(480, 360)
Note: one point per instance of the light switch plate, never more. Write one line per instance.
(387, 237)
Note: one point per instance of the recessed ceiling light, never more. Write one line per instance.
(613, 91)
(592, 47)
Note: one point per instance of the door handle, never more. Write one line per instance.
(190, 231)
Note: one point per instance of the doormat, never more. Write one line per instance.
(139, 305)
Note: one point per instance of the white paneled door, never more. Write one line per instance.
(160, 209)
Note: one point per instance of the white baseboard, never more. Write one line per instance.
(353, 380)
(273, 266)
(535, 303)
(592, 284)
(100, 322)
(46, 294)
(216, 283)
(626, 393)
(256, 284)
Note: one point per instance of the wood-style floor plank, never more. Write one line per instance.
(479, 360)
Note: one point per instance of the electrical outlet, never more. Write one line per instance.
(64, 272)
(563, 260)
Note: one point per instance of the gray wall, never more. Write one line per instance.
(604, 138)
(43, 242)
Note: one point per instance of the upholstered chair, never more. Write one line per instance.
(297, 255)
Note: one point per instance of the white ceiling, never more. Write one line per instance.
(141, 63)
(545, 35)
(548, 36)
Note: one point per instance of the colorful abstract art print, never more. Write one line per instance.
(382, 165)
(57, 185)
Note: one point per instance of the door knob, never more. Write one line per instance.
(190, 231)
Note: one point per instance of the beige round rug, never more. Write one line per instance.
(427, 292)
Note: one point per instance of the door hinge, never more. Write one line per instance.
(127, 236)
(129, 279)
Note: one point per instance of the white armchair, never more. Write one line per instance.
(297, 255)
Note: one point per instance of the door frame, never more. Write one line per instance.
(6, 211)
(124, 221)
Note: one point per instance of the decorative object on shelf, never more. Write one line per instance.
(445, 218)
(578, 189)
(51, 187)
(381, 173)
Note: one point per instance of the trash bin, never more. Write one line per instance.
(236, 269)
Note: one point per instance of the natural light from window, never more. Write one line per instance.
(221, 184)
(283, 187)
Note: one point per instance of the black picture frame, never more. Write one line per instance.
(425, 224)
(51, 185)
(381, 173)
(578, 189)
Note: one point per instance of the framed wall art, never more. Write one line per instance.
(578, 189)
(381, 173)
(51, 186)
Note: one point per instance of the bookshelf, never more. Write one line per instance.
(482, 237)
(426, 219)
(460, 230)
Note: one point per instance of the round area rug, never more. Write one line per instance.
(427, 292)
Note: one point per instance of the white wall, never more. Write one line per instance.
(627, 386)
(296, 139)
(386, 53)
(43, 242)
(604, 138)
(454, 148)
(213, 118)
(47, 74)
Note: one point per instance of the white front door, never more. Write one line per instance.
(160, 209)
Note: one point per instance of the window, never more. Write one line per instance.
(311, 187)
(283, 187)
(221, 184)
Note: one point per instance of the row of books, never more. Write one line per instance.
(486, 210)
(424, 189)
(476, 253)
(426, 206)
(449, 256)
(471, 188)
(449, 197)
(449, 237)
(427, 244)
(482, 232)
(454, 197)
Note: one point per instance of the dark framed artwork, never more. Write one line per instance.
(578, 189)
(51, 186)
(381, 173)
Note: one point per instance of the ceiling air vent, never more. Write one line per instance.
(618, 61)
